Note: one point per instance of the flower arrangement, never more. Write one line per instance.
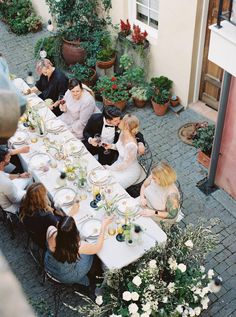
(137, 36)
(125, 27)
(167, 281)
(108, 203)
(112, 88)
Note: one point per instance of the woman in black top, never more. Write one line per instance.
(37, 214)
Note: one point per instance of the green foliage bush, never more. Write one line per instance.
(49, 45)
(20, 16)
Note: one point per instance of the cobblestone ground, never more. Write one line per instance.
(161, 134)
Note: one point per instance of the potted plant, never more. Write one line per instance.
(138, 37)
(139, 95)
(106, 55)
(113, 90)
(203, 141)
(133, 75)
(83, 73)
(160, 102)
(125, 29)
(174, 100)
(161, 83)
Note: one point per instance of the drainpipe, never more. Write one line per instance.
(219, 129)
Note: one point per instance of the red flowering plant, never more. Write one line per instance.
(125, 27)
(137, 36)
(112, 88)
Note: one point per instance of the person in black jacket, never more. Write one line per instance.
(52, 84)
(104, 126)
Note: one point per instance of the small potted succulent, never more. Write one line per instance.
(139, 95)
(203, 140)
(174, 100)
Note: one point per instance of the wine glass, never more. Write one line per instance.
(111, 229)
(98, 139)
(106, 151)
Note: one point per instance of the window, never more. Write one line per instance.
(147, 12)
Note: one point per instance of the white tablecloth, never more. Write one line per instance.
(114, 254)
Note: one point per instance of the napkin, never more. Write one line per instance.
(54, 125)
(99, 175)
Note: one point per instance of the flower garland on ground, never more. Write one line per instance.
(168, 281)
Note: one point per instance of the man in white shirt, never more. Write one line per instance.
(11, 185)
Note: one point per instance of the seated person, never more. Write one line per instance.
(37, 214)
(11, 185)
(16, 167)
(68, 259)
(105, 126)
(51, 84)
(159, 195)
(77, 106)
(126, 170)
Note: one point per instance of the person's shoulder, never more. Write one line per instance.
(60, 74)
(96, 116)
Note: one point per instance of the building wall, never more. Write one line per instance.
(42, 9)
(226, 169)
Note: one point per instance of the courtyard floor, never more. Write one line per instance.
(161, 133)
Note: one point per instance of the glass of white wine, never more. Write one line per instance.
(82, 194)
(111, 229)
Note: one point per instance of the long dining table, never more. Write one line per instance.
(114, 254)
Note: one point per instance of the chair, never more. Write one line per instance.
(145, 161)
(180, 214)
(9, 219)
(37, 252)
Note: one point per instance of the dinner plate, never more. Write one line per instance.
(91, 228)
(38, 161)
(54, 125)
(127, 206)
(65, 196)
(98, 176)
(73, 147)
(19, 137)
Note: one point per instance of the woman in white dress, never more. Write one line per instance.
(159, 195)
(126, 169)
(78, 105)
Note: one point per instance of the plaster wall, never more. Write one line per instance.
(42, 9)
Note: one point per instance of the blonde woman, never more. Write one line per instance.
(159, 195)
(126, 169)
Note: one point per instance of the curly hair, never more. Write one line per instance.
(35, 199)
(131, 122)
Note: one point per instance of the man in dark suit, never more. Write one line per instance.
(105, 126)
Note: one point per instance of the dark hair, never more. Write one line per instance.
(3, 152)
(73, 82)
(67, 241)
(111, 112)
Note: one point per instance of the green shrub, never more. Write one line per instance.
(203, 139)
(49, 45)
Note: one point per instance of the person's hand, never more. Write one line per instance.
(107, 146)
(147, 213)
(25, 175)
(93, 142)
(74, 209)
(27, 91)
(141, 148)
(63, 107)
(143, 201)
(25, 149)
(106, 221)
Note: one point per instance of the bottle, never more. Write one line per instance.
(61, 180)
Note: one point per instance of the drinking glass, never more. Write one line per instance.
(106, 151)
(82, 194)
(111, 229)
(98, 139)
(34, 140)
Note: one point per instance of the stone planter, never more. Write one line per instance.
(72, 52)
(203, 159)
(119, 104)
(160, 110)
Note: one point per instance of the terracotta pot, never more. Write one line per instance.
(92, 80)
(174, 103)
(139, 103)
(106, 65)
(203, 159)
(119, 104)
(72, 52)
(159, 110)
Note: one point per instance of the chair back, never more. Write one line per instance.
(146, 160)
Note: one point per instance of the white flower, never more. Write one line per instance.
(165, 299)
(99, 300)
(189, 244)
(133, 308)
(198, 291)
(204, 291)
(171, 287)
(145, 315)
(146, 307)
(191, 312)
(172, 263)
(135, 315)
(204, 276)
(205, 302)
(210, 273)
(153, 264)
(179, 309)
(114, 315)
(195, 298)
(126, 296)
(182, 267)
(197, 311)
(134, 296)
(202, 269)
(137, 280)
(152, 287)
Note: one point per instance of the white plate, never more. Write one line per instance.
(19, 137)
(91, 228)
(73, 147)
(65, 196)
(98, 176)
(129, 206)
(54, 125)
(38, 161)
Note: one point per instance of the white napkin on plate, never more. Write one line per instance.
(99, 175)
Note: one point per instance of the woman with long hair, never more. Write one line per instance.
(37, 214)
(77, 106)
(126, 169)
(159, 195)
(68, 259)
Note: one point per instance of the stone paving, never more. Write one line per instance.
(161, 134)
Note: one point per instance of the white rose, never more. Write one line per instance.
(171, 287)
(126, 296)
(99, 300)
(165, 299)
(137, 280)
(145, 315)
(146, 307)
(153, 264)
(114, 315)
(133, 308)
(134, 296)
(191, 312)
(197, 310)
(135, 315)
(210, 273)
(197, 291)
(202, 269)
(189, 244)
(172, 263)
(179, 309)
(152, 287)
(182, 267)
(204, 291)
(204, 302)
(204, 276)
